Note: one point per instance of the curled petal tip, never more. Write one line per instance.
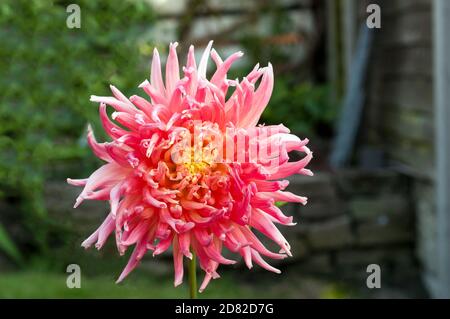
(145, 83)
(307, 172)
(78, 201)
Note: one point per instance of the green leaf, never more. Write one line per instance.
(279, 204)
(8, 246)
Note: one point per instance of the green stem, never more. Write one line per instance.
(193, 277)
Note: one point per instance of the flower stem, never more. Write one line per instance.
(193, 277)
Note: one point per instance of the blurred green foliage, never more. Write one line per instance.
(303, 107)
(9, 247)
(47, 73)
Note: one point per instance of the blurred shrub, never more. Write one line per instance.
(304, 108)
(47, 73)
(8, 246)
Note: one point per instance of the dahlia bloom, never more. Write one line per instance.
(191, 170)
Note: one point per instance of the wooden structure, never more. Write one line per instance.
(442, 115)
(407, 116)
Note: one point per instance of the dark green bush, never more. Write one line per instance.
(303, 107)
(47, 73)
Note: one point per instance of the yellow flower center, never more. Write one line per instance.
(196, 167)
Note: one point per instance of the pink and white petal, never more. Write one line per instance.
(134, 260)
(172, 70)
(156, 76)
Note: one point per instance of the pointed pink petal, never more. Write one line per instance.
(98, 149)
(258, 259)
(177, 263)
(202, 67)
(172, 70)
(134, 260)
(156, 76)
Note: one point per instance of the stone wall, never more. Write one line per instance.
(353, 219)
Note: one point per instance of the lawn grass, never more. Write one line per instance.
(46, 278)
(31, 284)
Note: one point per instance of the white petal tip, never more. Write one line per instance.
(145, 83)
(78, 201)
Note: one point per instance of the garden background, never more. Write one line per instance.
(336, 82)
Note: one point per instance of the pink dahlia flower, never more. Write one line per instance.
(190, 169)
